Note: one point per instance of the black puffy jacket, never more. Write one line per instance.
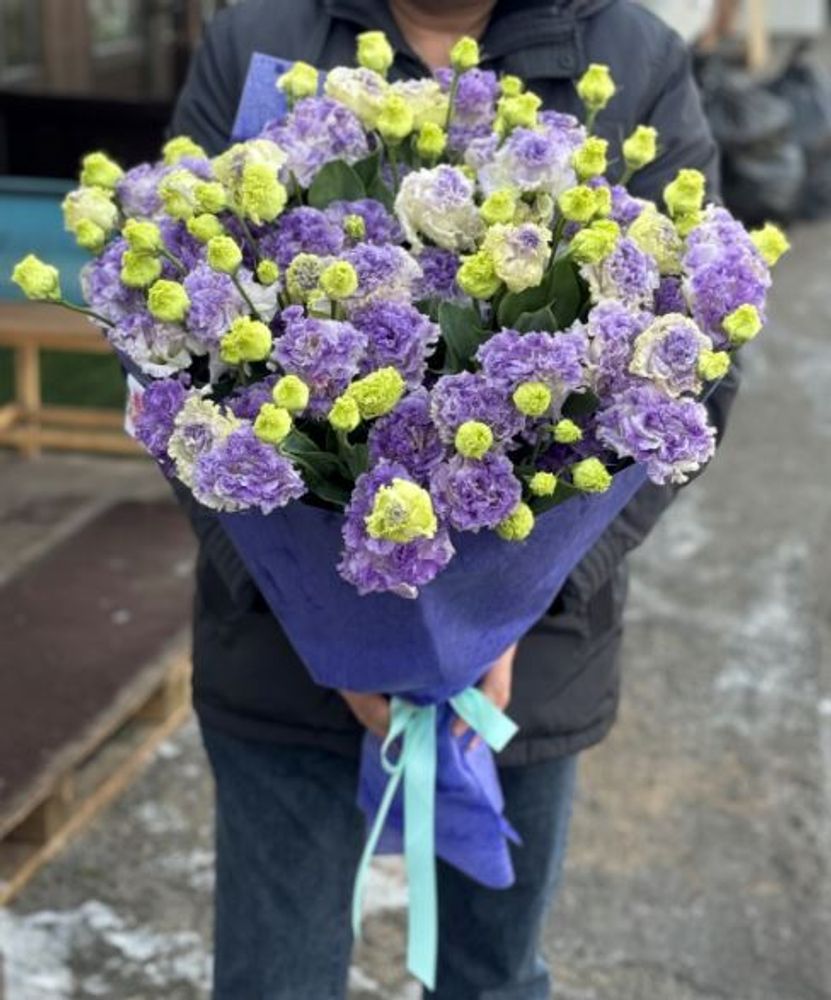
(248, 680)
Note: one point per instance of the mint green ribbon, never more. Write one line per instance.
(415, 726)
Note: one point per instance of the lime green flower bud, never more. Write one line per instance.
(590, 160)
(591, 476)
(204, 227)
(268, 271)
(685, 195)
(303, 275)
(167, 300)
(395, 118)
(771, 243)
(518, 525)
(98, 170)
(181, 146)
(143, 237)
(641, 148)
(247, 340)
(499, 207)
(543, 484)
(532, 398)
(272, 424)
(90, 236)
(344, 415)
(656, 235)
(402, 512)
(713, 365)
(90, 204)
(431, 141)
(578, 204)
(300, 81)
(596, 87)
(224, 254)
(473, 439)
(178, 193)
(261, 195)
(520, 111)
(685, 224)
(354, 226)
(594, 243)
(602, 202)
(375, 51)
(477, 276)
(38, 281)
(511, 86)
(339, 280)
(567, 432)
(291, 393)
(378, 392)
(210, 197)
(465, 54)
(138, 269)
(742, 325)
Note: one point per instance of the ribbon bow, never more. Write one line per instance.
(415, 763)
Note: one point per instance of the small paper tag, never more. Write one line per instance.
(132, 407)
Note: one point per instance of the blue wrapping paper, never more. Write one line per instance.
(428, 649)
(261, 101)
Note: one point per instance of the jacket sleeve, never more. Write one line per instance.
(673, 106)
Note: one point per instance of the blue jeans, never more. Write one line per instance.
(289, 836)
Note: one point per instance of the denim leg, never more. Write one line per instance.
(489, 938)
(288, 840)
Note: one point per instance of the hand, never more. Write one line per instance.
(496, 686)
(371, 710)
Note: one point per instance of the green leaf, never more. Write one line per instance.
(540, 319)
(462, 334)
(566, 293)
(368, 168)
(580, 404)
(336, 181)
(380, 192)
(560, 290)
(563, 492)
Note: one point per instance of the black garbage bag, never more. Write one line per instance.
(805, 86)
(763, 165)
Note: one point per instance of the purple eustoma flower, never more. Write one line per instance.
(381, 227)
(375, 565)
(160, 402)
(215, 303)
(409, 437)
(302, 230)
(468, 396)
(240, 472)
(439, 269)
(471, 494)
(318, 131)
(670, 437)
(627, 274)
(325, 353)
(102, 287)
(398, 335)
(558, 360)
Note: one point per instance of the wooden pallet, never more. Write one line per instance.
(86, 776)
(27, 328)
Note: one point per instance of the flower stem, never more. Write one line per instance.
(84, 312)
(451, 100)
(245, 296)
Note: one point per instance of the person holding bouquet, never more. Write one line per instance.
(284, 751)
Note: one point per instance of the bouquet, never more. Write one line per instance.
(416, 350)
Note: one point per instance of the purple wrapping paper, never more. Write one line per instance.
(427, 649)
(261, 101)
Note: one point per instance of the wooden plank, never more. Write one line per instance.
(8, 415)
(101, 780)
(128, 704)
(83, 416)
(18, 320)
(27, 395)
(62, 439)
